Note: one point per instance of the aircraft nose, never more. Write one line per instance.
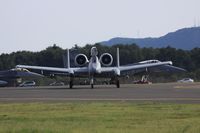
(94, 51)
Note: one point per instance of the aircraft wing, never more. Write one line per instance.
(142, 66)
(167, 68)
(55, 70)
(136, 67)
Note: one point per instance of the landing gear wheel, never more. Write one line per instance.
(71, 81)
(117, 83)
(92, 86)
(71, 84)
(92, 82)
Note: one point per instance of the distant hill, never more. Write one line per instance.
(187, 39)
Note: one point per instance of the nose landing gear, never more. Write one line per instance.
(71, 81)
(92, 82)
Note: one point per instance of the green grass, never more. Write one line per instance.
(99, 117)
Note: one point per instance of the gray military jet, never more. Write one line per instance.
(97, 66)
(8, 77)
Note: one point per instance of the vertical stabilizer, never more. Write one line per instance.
(65, 59)
(68, 59)
(118, 63)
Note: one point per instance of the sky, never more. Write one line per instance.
(34, 25)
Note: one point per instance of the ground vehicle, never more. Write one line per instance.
(144, 80)
(27, 84)
(186, 80)
(57, 84)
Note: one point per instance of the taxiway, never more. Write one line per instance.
(165, 92)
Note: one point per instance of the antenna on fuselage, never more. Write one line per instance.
(118, 63)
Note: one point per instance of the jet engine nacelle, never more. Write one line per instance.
(106, 59)
(81, 60)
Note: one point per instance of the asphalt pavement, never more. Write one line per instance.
(163, 92)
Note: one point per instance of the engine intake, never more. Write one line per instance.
(106, 59)
(81, 60)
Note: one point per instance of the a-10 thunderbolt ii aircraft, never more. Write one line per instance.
(97, 66)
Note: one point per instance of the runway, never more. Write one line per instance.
(165, 92)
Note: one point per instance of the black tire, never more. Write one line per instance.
(92, 86)
(117, 84)
(70, 84)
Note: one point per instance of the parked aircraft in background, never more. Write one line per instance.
(3, 83)
(9, 77)
(96, 67)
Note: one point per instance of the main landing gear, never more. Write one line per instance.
(117, 82)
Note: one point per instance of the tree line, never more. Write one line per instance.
(53, 56)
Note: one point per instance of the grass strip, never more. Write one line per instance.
(99, 117)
